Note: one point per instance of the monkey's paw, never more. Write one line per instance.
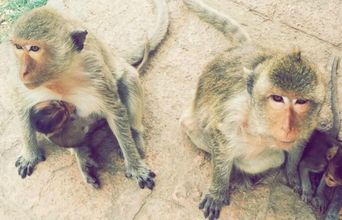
(88, 169)
(26, 165)
(320, 203)
(307, 195)
(212, 206)
(143, 175)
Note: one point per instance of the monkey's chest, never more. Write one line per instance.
(86, 99)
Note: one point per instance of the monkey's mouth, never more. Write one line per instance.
(285, 145)
(31, 85)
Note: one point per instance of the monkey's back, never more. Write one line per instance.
(224, 77)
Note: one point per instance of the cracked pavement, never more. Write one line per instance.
(56, 189)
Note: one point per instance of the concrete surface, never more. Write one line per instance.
(56, 190)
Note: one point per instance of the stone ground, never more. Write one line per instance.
(56, 190)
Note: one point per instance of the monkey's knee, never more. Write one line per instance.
(190, 127)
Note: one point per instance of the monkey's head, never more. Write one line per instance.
(44, 43)
(287, 93)
(49, 117)
(333, 174)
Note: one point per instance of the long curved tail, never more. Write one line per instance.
(223, 23)
(335, 129)
(155, 36)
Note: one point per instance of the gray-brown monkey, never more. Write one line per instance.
(58, 60)
(248, 121)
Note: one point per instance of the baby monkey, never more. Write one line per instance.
(323, 154)
(60, 123)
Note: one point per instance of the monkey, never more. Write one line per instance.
(57, 58)
(335, 207)
(62, 126)
(322, 154)
(253, 110)
(319, 152)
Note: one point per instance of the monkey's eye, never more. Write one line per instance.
(277, 98)
(301, 101)
(34, 48)
(18, 46)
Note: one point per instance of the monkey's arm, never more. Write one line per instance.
(217, 196)
(31, 154)
(307, 191)
(291, 167)
(320, 201)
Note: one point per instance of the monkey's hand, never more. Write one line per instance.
(307, 195)
(26, 164)
(320, 202)
(143, 175)
(212, 204)
(293, 180)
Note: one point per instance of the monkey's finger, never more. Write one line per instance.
(18, 162)
(141, 183)
(217, 212)
(201, 205)
(212, 211)
(150, 183)
(152, 174)
(207, 207)
(29, 170)
(22, 172)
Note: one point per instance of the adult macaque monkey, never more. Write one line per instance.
(247, 121)
(58, 59)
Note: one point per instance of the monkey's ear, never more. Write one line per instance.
(332, 152)
(78, 38)
(250, 79)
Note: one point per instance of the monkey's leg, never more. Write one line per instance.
(31, 154)
(118, 120)
(291, 168)
(320, 201)
(335, 208)
(193, 131)
(87, 165)
(217, 196)
(131, 95)
(307, 191)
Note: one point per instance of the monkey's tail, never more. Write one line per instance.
(223, 23)
(335, 129)
(156, 36)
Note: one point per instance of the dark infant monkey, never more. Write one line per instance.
(60, 123)
(323, 154)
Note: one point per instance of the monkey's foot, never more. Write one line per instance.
(26, 165)
(320, 203)
(143, 175)
(307, 195)
(212, 206)
(88, 170)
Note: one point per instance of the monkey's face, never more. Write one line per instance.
(33, 59)
(287, 97)
(333, 175)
